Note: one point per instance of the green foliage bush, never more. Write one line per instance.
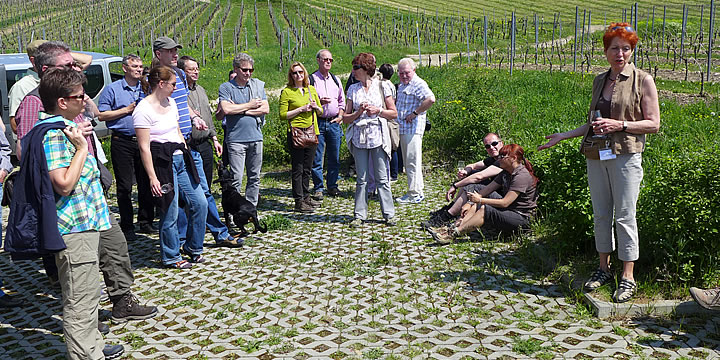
(679, 201)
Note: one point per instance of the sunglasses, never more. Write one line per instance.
(171, 83)
(328, 60)
(357, 67)
(494, 143)
(627, 28)
(248, 70)
(299, 72)
(76, 97)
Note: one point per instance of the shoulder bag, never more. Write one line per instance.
(304, 137)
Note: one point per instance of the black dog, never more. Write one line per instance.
(236, 207)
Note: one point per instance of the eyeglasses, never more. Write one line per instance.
(327, 60)
(73, 64)
(174, 84)
(248, 70)
(76, 97)
(627, 28)
(357, 67)
(494, 143)
(299, 72)
(500, 157)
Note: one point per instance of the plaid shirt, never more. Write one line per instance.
(85, 208)
(409, 98)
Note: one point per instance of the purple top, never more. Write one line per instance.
(326, 87)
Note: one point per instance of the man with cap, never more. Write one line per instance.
(116, 104)
(30, 81)
(166, 54)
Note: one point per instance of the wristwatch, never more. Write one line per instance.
(415, 112)
(624, 125)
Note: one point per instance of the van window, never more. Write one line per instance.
(13, 76)
(95, 80)
(116, 71)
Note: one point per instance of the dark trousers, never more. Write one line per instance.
(206, 152)
(128, 167)
(301, 161)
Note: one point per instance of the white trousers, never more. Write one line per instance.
(411, 145)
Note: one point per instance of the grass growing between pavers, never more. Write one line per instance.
(312, 287)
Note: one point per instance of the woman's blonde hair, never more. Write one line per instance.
(291, 81)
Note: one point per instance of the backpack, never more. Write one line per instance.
(335, 79)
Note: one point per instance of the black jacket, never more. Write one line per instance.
(32, 228)
(162, 156)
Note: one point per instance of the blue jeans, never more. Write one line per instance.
(213, 222)
(330, 135)
(193, 196)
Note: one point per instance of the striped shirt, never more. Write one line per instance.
(180, 95)
(85, 208)
(409, 98)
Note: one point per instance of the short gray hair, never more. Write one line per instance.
(129, 57)
(317, 55)
(47, 54)
(241, 58)
(407, 62)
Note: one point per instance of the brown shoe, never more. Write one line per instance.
(442, 235)
(303, 206)
(709, 299)
(312, 202)
(127, 308)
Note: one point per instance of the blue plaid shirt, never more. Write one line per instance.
(409, 98)
(85, 208)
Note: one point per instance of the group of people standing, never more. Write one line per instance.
(316, 103)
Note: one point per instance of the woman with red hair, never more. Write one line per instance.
(488, 207)
(623, 108)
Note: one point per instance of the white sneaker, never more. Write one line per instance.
(405, 199)
(417, 199)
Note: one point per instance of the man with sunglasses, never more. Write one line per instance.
(116, 104)
(472, 178)
(244, 103)
(332, 99)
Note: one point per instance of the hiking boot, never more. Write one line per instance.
(312, 202)
(437, 219)
(625, 291)
(334, 192)
(443, 235)
(126, 307)
(103, 328)
(303, 206)
(113, 351)
(598, 279)
(318, 195)
(709, 299)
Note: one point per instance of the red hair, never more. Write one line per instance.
(623, 30)
(366, 61)
(517, 152)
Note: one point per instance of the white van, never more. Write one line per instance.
(103, 70)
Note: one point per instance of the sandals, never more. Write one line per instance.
(625, 291)
(598, 279)
(182, 264)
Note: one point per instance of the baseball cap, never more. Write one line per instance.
(165, 42)
(32, 47)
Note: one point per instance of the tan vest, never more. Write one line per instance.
(624, 106)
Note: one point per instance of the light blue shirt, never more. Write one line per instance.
(117, 96)
(241, 127)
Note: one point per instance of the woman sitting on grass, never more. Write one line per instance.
(505, 213)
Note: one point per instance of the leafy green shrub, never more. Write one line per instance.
(277, 222)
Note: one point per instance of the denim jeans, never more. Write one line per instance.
(213, 222)
(329, 142)
(246, 156)
(194, 197)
